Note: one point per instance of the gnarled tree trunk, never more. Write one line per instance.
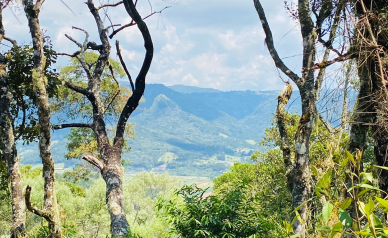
(8, 148)
(50, 211)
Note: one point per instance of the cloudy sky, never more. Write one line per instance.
(217, 44)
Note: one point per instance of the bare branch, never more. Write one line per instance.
(326, 124)
(118, 90)
(109, 5)
(73, 40)
(347, 56)
(270, 45)
(124, 66)
(123, 27)
(132, 23)
(133, 101)
(73, 55)
(94, 161)
(12, 41)
(79, 125)
(32, 208)
(78, 89)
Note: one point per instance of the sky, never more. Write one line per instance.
(211, 44)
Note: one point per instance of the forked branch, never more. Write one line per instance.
(32, 208)
(133, 101)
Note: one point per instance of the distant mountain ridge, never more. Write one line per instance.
(187, 130)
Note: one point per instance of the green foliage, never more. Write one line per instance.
(81, 141)
(363, 202)
(73, 105)
(229, 213)
(20, 85)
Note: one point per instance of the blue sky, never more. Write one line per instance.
(217, 44)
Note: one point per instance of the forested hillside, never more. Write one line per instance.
(188, 134)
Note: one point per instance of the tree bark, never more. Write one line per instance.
(285, 143)
(8, 148)
(373, 76)
(40, 83)
(301, 178)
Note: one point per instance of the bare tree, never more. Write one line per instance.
(50, 211)
(8, 145)
(109, 160)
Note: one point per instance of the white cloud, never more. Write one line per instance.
(189, 79)
(196, 42)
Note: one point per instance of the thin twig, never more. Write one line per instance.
(124, 66)
(132, 23)
(109, 5)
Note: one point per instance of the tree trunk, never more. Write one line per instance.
(285, 143)
(51, 213)
(302, 178)
(113, 176)
(8, 148)
(9, 153)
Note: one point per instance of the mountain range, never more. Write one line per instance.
(186, 130)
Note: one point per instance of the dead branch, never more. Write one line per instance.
(110, 5)
(73, 40)
(124, 66)
(118, 89)
(94, 161)
(68, 125)
(132, 23)
(270, 45)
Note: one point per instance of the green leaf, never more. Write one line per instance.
(350, 157)
(323, 183)
(315, 171)
(345, 218)
(381, 167)
(344, 162)
(363, 233)
(325, 228)
(336, 229)
(383, 202)
(363, 192)
(367, 176)
(377, 222)
(361, 206)
(345, 204)
(371, 187)
(326, 211)
(369, 208)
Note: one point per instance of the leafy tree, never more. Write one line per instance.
(229, 213)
